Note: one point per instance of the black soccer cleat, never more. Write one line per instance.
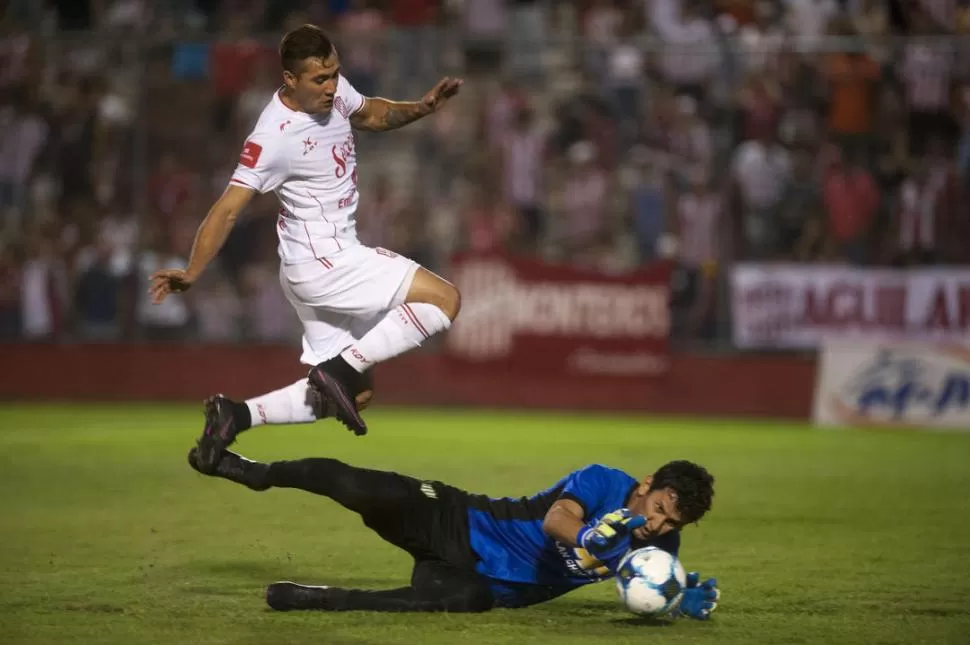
(235, 468)
(219, 433)
(339, 384)
(289, 596)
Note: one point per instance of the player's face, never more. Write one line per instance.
(314, 87)
(660, 509)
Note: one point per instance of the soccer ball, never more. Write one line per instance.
(650, 581)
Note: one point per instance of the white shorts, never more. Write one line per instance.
(342, 297)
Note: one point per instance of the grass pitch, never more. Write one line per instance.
(816, 536)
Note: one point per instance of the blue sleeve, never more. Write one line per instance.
(589, 487)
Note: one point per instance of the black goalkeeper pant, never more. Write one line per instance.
(427, 519)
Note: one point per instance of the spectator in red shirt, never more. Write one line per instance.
(851, 203)
(233, 61)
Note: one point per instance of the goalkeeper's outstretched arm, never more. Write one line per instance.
(563, 521)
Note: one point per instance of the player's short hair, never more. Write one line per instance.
(306, 41)
(693, 485)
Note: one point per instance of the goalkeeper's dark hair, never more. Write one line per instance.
(693, 485)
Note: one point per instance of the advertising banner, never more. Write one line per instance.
(536, 317)
(893, 385)
(800, 306)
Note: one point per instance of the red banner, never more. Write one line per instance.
(552, 319)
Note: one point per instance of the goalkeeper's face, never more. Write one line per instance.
(658, 506)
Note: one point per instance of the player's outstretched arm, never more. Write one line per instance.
(564, 521)
(606, 540)
(209, 239)
(378, 115)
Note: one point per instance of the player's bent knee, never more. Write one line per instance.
(451, 302)
(453, 589)
(446, 298)
(434, 290)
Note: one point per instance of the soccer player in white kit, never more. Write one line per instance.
(359, 305)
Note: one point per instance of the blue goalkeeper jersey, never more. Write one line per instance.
(527, 566)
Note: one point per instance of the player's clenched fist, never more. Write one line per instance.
(610, 537)
(168, 281)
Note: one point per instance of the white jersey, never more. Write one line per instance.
(310, 162)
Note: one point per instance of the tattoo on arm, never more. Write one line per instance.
(378, 115)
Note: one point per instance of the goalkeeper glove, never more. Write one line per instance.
(609, 538)
(700, 600)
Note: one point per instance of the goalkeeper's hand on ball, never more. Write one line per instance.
(609, 539)
(700, 598)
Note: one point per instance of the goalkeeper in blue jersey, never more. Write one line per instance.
(473, 553)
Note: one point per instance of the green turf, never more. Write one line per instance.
(816, 536)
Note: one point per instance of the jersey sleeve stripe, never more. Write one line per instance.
(572, 497)
(241, 183)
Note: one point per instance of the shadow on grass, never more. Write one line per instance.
(262, 573)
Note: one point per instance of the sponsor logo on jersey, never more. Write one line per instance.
(428, 490)
(250, 154)
(580, 563)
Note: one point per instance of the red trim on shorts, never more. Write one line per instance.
(414, 319)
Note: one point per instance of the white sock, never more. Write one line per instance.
(285, 405)
(402, 328)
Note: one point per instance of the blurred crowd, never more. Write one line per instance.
(604, 133)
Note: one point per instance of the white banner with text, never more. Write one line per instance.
(790, 306)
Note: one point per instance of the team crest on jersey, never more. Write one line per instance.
(340, 106)
(308, 145)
